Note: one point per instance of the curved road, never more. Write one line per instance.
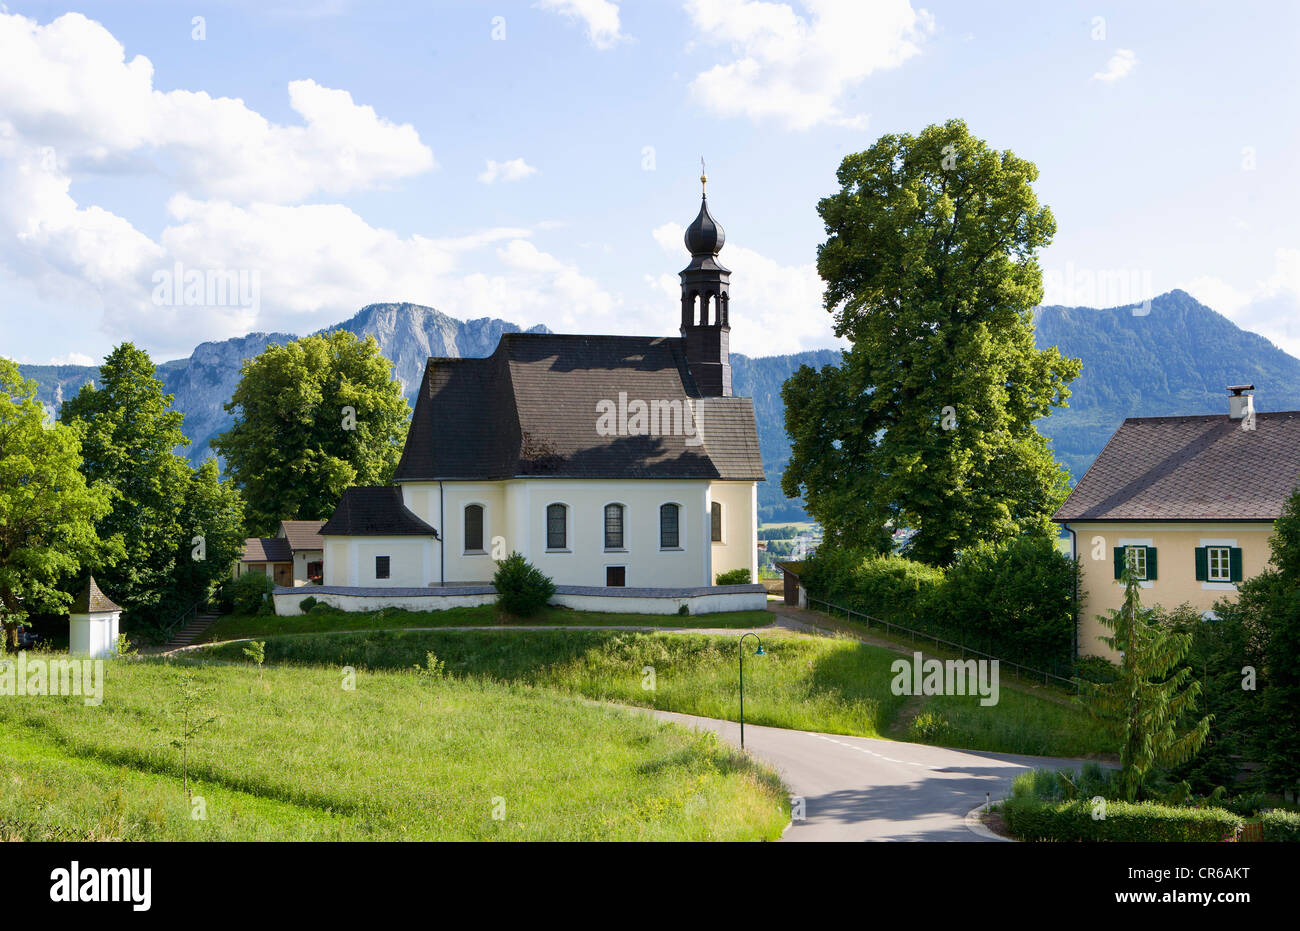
(860, 788)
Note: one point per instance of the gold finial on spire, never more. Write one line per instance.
(704, 178)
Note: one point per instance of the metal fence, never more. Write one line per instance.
(1023, 671)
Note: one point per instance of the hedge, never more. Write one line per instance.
(1281, 826)
(1032, 820)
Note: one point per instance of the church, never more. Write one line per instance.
(609, 462)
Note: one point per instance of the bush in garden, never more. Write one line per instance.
(522, 588)
(247, 593)
(733, 577)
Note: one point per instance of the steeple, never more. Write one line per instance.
(706, 284)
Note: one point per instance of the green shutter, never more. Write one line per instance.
(1202, 564)
(1234, 563)
(1119, 562)
(1151, 563)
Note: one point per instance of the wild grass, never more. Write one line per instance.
(235, 626)
(826, 684)
(295, 755)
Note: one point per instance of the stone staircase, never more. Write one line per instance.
(191, 631)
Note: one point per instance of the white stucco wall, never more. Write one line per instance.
(351, 561)
(93, 635)
(739, 546)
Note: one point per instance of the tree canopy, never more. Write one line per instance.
(312, 418)
(180, 527)
(48, 511)
(931, 274)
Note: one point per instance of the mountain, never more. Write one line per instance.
(1176, 358)
(408, 334)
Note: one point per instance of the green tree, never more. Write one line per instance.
(312, 417)
(931, 273)
(181, 528)
(129, 438)
(47, 510)
(1146, 708)
(1268, 612)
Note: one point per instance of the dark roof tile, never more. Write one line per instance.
(373, 511)
(1191, 468)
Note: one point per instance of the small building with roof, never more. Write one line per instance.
(294, 556)
(1187, 502)
(93, 623)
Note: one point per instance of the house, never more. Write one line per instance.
(294, 556)
(609, 462)
(1188, 502)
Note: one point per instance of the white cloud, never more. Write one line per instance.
(599, 16)
(514, 170)
(774, 307)
(1269, 307)
(1120, 66)
(794, 70)
(68, 88)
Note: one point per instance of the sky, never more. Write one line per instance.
(172, 173)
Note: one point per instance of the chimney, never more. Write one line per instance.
(1240, 406)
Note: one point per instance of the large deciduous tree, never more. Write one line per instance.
(931, 274)
(181, 528)
(312, 417)
(47, 510)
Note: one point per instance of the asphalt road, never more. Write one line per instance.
(860, 789)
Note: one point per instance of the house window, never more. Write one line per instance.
(1219, 562)
(557, 530)
(616, 576)
(315, 571)
(474, 528)
(715, 521)
(1136, 560)
(381, 567)
(669, 527)
(613, 526)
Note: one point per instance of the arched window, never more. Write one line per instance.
(473, 528)
(669, 527)
(715, 522)
(557, 527)
(613, 526)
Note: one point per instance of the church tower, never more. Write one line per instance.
(705, 299)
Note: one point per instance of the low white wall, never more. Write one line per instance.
(287, 601)
(705, 600)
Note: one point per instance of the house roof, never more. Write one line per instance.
(302, 534)
(1191, 468)
(370, 510)
(267, 549)
(92, 600)
(531, 409)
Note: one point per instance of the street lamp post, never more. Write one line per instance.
(758, 652)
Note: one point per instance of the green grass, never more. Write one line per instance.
(827, 684)
(293, 755)
(236, 626)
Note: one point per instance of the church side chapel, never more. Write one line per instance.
(618, 465)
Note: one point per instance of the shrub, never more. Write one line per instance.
(522, 588)
(320, 607)
(1032, 820)
(733, 577)
(1281, 826)
(250, 593)
(307, 604)
(1096, 669)
(888, 587)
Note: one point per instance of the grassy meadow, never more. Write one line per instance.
(826, 684)
(293, 755)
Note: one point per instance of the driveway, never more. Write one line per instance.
(859, 788)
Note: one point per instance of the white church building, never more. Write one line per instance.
(621, 466)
